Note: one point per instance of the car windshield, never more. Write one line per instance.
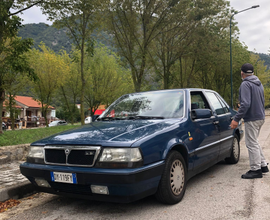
(148, 105)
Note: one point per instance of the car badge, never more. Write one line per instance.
(67, 151)
(89, 153)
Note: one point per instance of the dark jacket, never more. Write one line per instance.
(251, 97)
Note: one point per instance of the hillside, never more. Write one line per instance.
(57, 39)
(266, 59)
(54, 38)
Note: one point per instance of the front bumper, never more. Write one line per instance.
(124, 185)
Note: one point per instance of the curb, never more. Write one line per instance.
(16, 187)
(17, 192)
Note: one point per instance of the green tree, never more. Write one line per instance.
(260, 70)
(51, 70)
(183, 24)
(81, 19)
(69, 91)
(205, 63)
(15, 83)
(106, 79)
(134, 25)
(11, 58)
(12, 62)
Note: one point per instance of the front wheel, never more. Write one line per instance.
(172, 185)
(235, 151)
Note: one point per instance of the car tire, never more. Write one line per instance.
(172, 185)
(235, 151)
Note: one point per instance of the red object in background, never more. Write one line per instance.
(99, 111)
(112, 114)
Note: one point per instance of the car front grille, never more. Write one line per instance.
(84, 156)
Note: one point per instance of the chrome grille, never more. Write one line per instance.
(84, 156)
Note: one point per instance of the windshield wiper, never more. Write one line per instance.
(130, 118)
(110, 119)
(144, 117)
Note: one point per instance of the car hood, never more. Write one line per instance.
(118, 133)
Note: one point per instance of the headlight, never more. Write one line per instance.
(121, 155)
(120, 158)
(35, 154)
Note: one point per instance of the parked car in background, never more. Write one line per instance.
(143, 144)
(4, 126)
(87, 120)
(57, 123)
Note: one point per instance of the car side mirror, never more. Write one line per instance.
(200, 113)
(95, 117)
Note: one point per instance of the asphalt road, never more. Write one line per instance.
(218, 193)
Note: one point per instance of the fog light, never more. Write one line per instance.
(100, 189)
(42, 183)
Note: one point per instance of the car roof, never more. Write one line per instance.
(168, 90)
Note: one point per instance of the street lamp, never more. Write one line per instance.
(254, 6)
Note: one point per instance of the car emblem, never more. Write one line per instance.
(89, 153)
(67, 151)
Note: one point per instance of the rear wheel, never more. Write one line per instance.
(235, 152)
(172, 185)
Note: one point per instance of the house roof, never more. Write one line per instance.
(99, 110)
(16, 106)
(101, 107)
(29, 101)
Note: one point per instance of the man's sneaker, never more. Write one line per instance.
(265, 169)
(252, 174)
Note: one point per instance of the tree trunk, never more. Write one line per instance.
(181, 73)
(166, 81)
(2, 99)
(44, 112)
(11, 111)
(71, 110)
(135, 79)
(83, 83)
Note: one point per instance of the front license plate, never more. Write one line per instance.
(63, 177)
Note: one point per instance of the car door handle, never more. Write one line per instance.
(215, 122)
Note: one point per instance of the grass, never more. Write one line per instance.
(26, 136)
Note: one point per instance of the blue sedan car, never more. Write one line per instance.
(143, 144)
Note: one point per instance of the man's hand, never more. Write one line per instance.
(234, 124)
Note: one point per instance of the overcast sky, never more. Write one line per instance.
(254, 24)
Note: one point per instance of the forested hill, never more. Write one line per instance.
(52, 37)
(57, 39)
(266, 59)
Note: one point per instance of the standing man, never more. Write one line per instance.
(251, 97)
